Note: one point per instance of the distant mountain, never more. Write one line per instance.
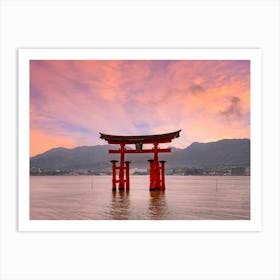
(84, 157)
(223, 152)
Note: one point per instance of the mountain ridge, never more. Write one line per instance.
(221, 152)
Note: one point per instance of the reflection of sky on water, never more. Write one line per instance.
(186, 197)
(119, 207)
(157, 205)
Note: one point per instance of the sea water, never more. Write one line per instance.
(185, 198)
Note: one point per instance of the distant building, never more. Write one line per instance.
(35, 170)
(247, 171)
(238, 171)
(139, 171)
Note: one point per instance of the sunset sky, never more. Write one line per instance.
(71, 101)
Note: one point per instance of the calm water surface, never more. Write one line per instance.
(185, 198)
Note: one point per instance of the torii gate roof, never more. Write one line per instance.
(144, 139)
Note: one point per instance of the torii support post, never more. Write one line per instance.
(152, 175)
(121, 173)
(156, 167)
(162, 175)
(114, 180)
(127, 182)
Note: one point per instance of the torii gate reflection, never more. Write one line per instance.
(157, 172)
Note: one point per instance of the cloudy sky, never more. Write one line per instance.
(72, 101)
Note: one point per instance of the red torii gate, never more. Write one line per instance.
(157, 180)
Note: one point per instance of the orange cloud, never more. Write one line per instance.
(71, 101)
(41, 142)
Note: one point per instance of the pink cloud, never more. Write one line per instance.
(72, 101)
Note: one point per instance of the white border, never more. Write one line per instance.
(254, 224)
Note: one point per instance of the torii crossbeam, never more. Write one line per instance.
(157, 180)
